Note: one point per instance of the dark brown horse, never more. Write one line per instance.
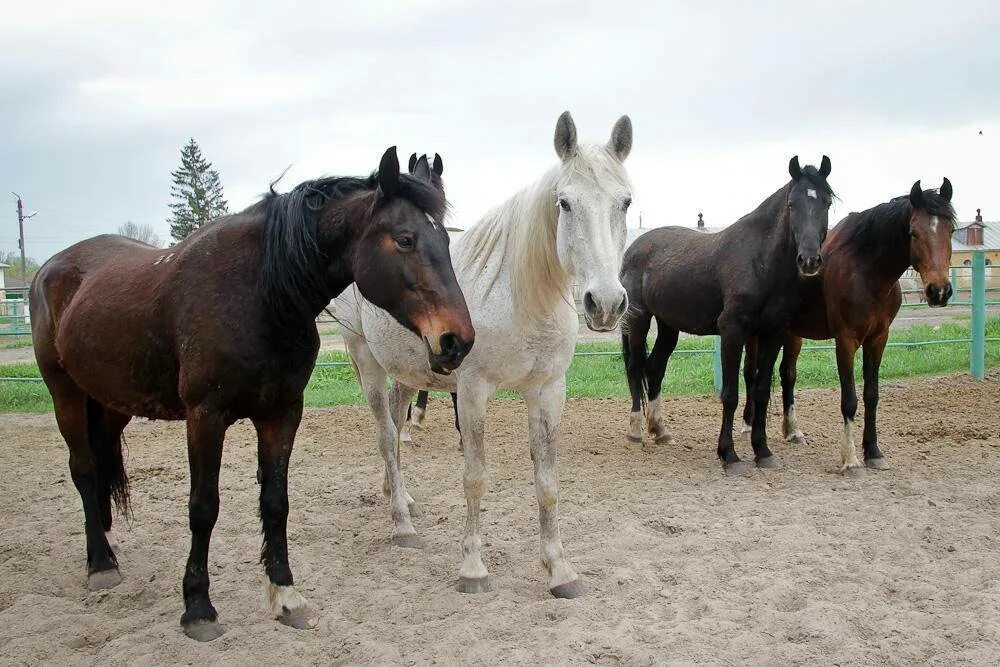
(855, 299)
(738, 283)
(222, 327)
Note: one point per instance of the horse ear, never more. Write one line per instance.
(620, 144)
(825, 167)
(916, 196)
(421, 169)
(794, 170)
(945, 190)
(412, 163)
(388, 172)
(565, 139)
(438, 164)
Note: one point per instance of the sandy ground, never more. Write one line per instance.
(682, 564)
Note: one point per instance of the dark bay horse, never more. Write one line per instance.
(738, 283)
(855, 299)
(222, 327)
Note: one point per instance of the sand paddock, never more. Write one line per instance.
(681, 563)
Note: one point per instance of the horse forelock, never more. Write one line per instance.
(521, 232)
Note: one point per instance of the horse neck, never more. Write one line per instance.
(771, 222)
(882, 250)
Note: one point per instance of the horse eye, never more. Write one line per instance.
(563, 204)
(404, 242)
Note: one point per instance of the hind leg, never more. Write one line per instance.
(749, 377)
(789, 360)
(634, 347)
(71, 415)
(656, 367)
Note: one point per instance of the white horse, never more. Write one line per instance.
(516, 267)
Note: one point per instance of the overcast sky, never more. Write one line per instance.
(98, 99)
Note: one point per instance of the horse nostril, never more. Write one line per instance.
(589, 304)
(948, 291)
(450, 344)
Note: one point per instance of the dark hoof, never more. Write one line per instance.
(466, 585)
(634, 438)
(853, 473)
(408, 541)
(877, 464)
(737, 469)
(414, 510)
(569, 590)
(665, 439)
(769, 463)
(300, 619)
(797, 440)
(203, 631)
(103, 579)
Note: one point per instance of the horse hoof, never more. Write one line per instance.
(411, 541)
(203, 630)
(300, 619)
(414, 510)
(769, 463)
(853, 473)
(797, 439)
(634, 438)
(569, 590)
(877, 464)
(737, 469)
(478, 585)
(665, 439)
(102, 580)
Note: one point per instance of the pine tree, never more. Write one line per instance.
(197, 192)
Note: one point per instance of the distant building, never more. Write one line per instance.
(3, 268)
(632, 233)
(977, 235)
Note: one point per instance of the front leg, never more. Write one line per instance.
(789, 362)
(732, 348)
(871, 361)
(768, 347)
(399, 402)
(473, 396)
(749, 377)
(206, 431)
(545, 407)
(849, 463)
(275, 437)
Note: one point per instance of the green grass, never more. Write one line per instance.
(603, 376)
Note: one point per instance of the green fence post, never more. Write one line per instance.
(717, 364)
(977, 349)
(954, 285)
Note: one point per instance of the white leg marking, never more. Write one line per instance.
(417, 416)
(635, 426)
(790, 427)
(848, 453)
(112, 542)
(286, 600)
(654, 422)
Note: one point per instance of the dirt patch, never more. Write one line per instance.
(681, 563)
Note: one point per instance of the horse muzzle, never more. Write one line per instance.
(603, 309)
(448, 352)
(938, 294)
(809, 266)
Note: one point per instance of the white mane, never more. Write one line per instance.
(521, 232)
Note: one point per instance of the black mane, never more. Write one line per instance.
(869, 228)
(294, 267)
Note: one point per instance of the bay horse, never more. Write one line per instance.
(737, 283)
(855, 299)
(222, 327)
(516, 266)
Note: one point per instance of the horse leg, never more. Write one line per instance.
(71, 408)
(399, 400)
(749, 377)
(732, 348)
(419, 412)
(767, 353)
(849, 463)
(373, 379)
(206, 431)
(789, 360)
(656, 367)
(458, 425)
(112, 482)
(871, 361)
(473, 396)
(544, 414)
(275, 437)
(634, 334)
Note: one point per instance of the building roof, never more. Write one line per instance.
(991, 237)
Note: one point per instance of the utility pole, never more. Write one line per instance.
(20, 228)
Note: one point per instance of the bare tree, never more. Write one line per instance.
(142, 233)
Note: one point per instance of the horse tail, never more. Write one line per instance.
(108, 459)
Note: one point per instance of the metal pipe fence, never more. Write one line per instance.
(977, 340)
